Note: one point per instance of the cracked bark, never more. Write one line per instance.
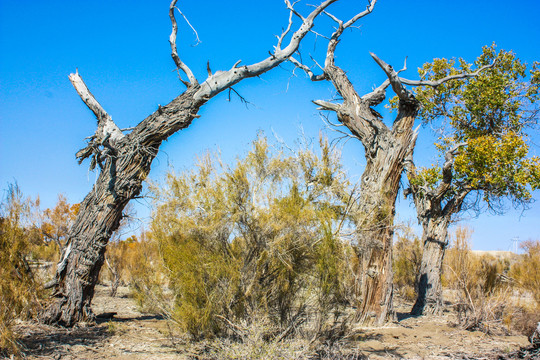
(100, 213)
(385, 151)
(380, 185)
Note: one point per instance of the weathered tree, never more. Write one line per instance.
(485, 153)
(125, 159)
(386, 148)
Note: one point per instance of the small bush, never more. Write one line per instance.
(523, 319)
(483, 298)
(526, 271)
(407, 257)
(19, 292)
(261, 240)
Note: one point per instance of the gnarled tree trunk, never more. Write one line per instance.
(435, 240)
(386, 152)
(125, 162)
(379, 189)
(435, 208)
(100, 213)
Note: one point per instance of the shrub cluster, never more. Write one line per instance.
(19, 291)
(407, 257)
(262, 239)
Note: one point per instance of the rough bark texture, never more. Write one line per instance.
(435, 208)
(385, 151)
(435, 240)
(380, 185)
(100, 213)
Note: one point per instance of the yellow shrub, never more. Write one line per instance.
(258, 240)
(483, 298)
(18, 289)
(527, 269)
(407, 257)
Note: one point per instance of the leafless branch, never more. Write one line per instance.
(325, 105)
(334, 127)
(339, 22)
(106, 126)
(307, 70)
(435, 83)
(292, 10)
(358, 16)
(172, 40)
(317, 34)
(394, 78)
(378, 95)
(222, 80)
(191, 26)
(287, 30)
(242, 99)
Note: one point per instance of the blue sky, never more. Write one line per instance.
(121, 50)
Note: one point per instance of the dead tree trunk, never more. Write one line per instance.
(125, 161)
(435, 208)
(386, 149)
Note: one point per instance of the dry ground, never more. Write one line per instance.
(133, 335)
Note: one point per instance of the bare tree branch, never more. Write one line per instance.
(325, 105)
(292, 10)
(286, 31)
(106, 125)
(378, 95)
(435, 83)
(394, 78)
(191, 26)
(307, 70)
(172, 40)
(334, 40)
(222, 80)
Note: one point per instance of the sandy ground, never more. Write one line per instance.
(133, 335)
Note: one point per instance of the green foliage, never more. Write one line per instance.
(489, 114)
(19, 292)
(257, 240)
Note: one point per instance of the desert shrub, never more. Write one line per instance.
(146, 274)
(523, 319)
(259, 240)
(117, 260)
(48, 232)
(482, 296)
(526, 271)
(19, 292)
(407, 257)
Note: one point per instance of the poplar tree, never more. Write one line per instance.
(485, 151)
